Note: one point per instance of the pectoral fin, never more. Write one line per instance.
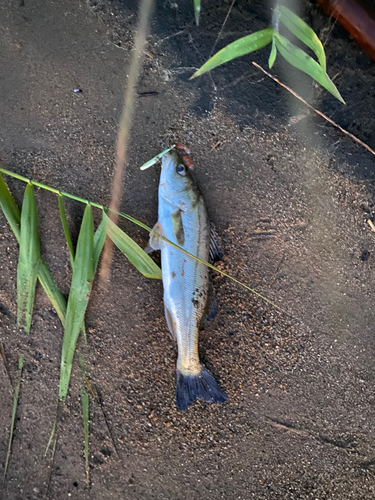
(156, 241)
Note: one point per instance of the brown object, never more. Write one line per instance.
(356, 19)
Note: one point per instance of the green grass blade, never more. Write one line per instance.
(10, 209)
(132, 251)
(83, 273)
(14, 411)
(28, 261)
(51, 438)
(299, 59)
(303, 32)
(99, 240)
(85, 416)
(197, 10)
(65, 228)
(53, 293)
(13, 216)
(273, 54)
(70, 246)
(238, 48)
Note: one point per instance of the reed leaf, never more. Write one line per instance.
(99, 239)
(238, 48)
(302, 31)
(28, 261)
(68, 239)
(273, 54)
(65, 228)
(302, 61)
(10, 209)
(13, 216)
(83, 274)
(132, 251)
(197, 10)
(56, 298)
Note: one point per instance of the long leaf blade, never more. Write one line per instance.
(65, 228)
(83, 273)
(132, 251)
(56, 298)
(69, 242)
(10, 209)
(28, 261)
(273, 54)
(303, 32)
(197, 10)
(302, 61)
(13, 216)
(99, 240)
(238, 48)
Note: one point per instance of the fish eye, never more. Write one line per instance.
(181, 169)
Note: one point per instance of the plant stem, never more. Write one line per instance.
(72, 197)
(140, 224)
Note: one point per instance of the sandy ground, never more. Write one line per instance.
(290, 197)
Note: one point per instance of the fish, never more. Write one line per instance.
(183, 220)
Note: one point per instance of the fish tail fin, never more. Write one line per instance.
(202, 386)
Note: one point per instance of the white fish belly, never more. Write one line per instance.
(186, 281)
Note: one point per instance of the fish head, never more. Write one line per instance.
(177, 184)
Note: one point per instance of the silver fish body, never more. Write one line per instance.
(183, 220)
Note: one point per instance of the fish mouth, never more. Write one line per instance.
(169, 161)
(185, 154)
(181, 154)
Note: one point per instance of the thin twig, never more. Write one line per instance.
(124, 128)
(99, 400)
(6, 367)
(13, 419)
(171, 36)
(191, 40)
(371, 224)
(221, 29)
(315, 110)
(54, 437)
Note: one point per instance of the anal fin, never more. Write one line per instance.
(171, 324)
(215, 252)
(212, 310)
